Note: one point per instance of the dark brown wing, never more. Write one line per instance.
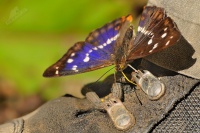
(156, 32)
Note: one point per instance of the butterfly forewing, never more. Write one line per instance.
(93, 53)
(155, 32)
(151, 16)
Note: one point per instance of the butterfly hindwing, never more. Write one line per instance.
(93, 53)
(156, 32)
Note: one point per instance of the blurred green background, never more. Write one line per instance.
(35, 34)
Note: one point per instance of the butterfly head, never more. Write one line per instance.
(120, 66)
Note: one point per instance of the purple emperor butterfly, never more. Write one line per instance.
(116, 44)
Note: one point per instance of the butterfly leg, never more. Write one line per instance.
(132, 68)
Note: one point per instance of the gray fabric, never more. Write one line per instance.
(184, 118)
(69, 114)
(184, 57)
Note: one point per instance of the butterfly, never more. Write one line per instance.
(116, 44)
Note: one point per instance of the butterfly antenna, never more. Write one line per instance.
(104, 74)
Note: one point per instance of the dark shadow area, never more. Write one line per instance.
(82, 113)
(102, 88)
(156, 70)
(68, 95)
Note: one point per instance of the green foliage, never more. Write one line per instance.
(61, 16)
(35, 34)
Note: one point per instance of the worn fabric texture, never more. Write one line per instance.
(184, 117)
(68, 114)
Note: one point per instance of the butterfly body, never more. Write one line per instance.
(123, 50)
(116, 44)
